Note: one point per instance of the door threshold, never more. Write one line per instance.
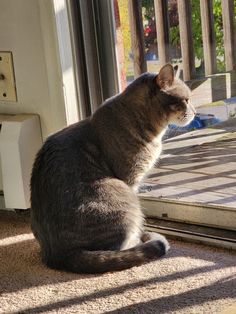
(193, 233)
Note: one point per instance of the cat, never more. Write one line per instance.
(84, 209)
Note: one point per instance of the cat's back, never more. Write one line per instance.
(64, 144)
(66, 138)
(64, 160)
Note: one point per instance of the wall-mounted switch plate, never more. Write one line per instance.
(7, 78)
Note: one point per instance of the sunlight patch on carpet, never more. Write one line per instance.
(16, 239)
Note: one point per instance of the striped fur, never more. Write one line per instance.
(85, 211)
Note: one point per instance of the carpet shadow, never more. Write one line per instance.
(13, 224)
(20, 261)
(173, 301)
(223, 289)
(21, 268)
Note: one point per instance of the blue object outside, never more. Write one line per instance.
(199, 122)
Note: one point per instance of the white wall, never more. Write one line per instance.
(27, 28)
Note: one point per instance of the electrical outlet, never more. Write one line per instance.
(7, 78)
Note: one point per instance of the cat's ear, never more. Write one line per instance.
(166, 76)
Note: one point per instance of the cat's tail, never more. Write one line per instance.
(104, 261)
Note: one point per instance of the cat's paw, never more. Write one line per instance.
(153, 236)
(164, 241)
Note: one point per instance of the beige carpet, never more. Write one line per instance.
(190, 279)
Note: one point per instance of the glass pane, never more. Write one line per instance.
(196, 174)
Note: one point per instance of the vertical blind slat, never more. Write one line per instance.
(91, 53)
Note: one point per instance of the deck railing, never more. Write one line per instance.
(214, 86)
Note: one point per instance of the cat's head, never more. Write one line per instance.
(175, 96)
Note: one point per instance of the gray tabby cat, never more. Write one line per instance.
(85, 211)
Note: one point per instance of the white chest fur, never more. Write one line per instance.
(150, 154)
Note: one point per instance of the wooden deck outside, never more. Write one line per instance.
(212, 86)
(195, 180)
